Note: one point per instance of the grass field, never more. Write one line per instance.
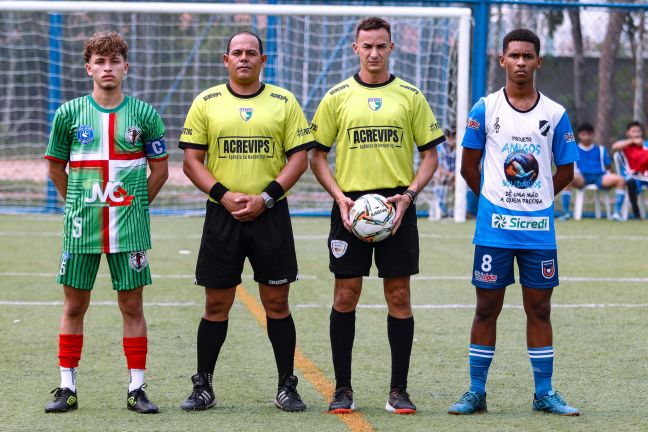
(600, 326)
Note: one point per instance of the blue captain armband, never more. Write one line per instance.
(155, 149)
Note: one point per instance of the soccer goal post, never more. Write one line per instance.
(175, 52)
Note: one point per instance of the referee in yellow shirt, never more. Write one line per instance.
(256, 140)
(376, 120)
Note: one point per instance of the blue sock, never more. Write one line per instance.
(479, 359)
(542, 366)
(566, 201)
(620, 197)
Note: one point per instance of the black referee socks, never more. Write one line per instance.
(401, 335)
(283, 338)
(211, 336)
(342, 332)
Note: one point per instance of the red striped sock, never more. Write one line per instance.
(70, 350)
(135, 349)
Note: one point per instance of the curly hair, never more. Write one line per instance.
(521, 35)
(105, 44)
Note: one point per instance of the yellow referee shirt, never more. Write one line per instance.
(247, 137)
(375, 128)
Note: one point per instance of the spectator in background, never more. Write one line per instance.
(635, 149)
(593, 167)
(445, 174)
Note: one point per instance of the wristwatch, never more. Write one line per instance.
(412, 194)
(268, 201)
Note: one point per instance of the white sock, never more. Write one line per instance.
(68, 378)
(136, 379)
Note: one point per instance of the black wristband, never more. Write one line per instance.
(275, 190)
(217, 191)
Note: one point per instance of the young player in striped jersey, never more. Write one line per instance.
(108, 139)
(376, 121)
(255, 138)
(516, 132)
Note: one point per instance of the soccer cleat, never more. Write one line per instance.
(617, 217)
(342, 402)
(552, 403)
(287, 397)
(565, 216)
(202, 397)
(399, 402)
(138, 401)
(64, 401)
(470, 403)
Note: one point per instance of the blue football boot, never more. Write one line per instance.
(470, 403)
(552, 403)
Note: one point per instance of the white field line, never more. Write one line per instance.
(306, 277)
(325, 236)
(360, 306)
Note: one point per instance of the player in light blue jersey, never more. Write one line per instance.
(593, 167)
(516, 132)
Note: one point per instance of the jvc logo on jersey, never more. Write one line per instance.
(374, 103)
(113, 195)
(245, 113)
(520, 223)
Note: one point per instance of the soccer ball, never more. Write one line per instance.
(521, 169)
(372, 218)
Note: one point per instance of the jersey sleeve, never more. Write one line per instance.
(324, 127)
(297, 134)
(606, 158)
(194, 132)
(564, 146)
(154, 145)
(475, 136)
(426, 129)
(61, 137)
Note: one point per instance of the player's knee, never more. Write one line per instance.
(486, 314)
(539, 311)
(276, 306)
(345, 300)
(399, 299)
(74, 309)
(131, 307)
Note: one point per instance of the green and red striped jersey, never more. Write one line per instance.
(106, 209)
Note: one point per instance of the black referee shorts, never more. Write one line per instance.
(396, 256)
(267, 242)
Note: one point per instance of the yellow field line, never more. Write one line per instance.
(354, 421)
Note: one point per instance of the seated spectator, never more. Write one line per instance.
(635, 150)
(593, 167)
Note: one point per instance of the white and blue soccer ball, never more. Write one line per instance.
(372, 218)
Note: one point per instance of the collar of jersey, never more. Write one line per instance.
(107, 110)
(520, 111)
(356, 77)
(250, 96)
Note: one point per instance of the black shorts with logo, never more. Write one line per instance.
(267, 242)
(396, 256)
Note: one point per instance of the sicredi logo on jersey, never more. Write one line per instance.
(520, 223)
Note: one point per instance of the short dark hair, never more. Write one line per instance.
(373, 23)
(635, 123)
(247, 33)
(585, 127)
(105, 44)
(521, 35)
